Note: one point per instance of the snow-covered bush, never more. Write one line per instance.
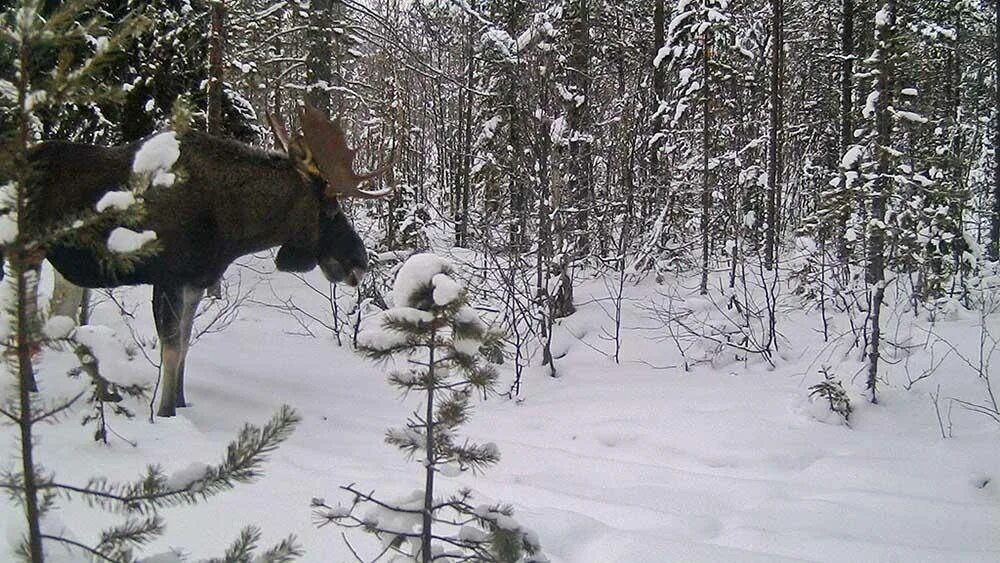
(442, 341)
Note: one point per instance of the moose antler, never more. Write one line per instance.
(335, 160)
(280, 134)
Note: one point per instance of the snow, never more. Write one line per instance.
(911, 116)
(8, 229)
(446, 290)
(124, 240)
(415, 276)
(58, 327)
(870, 101)
(184, 478)
(851, 157)
(379, 337)
(882, 17)
(156, 157)
(608, 463)
(118, 200)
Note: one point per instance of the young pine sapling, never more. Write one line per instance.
(442, 342)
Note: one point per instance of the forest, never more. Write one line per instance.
(516, 280)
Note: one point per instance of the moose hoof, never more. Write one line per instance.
(166, 412)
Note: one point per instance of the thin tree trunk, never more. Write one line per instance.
(462, 224)
(846, 109)
(27, 309)
(26, 381)
(216, 46)
(995, 220)
(429, 464)
(706, 192)
(580, 188)
(774, 135)
(880, 194)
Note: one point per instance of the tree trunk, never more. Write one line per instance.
(578, 117)
(774, 136)
(706, 140)
(875, 275)
(465, 182)
(430, 462)
(995, 219)
(216, 46)
(846, 109)
(319, 58)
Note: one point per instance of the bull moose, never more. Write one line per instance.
(234, 200)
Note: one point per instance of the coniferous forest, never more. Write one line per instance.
(515, 280)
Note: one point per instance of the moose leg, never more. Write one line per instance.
(191, 296)
(167, 307)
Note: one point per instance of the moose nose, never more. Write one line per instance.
(354, 278)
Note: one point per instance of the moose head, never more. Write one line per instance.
(321, 155)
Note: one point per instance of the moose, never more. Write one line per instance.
(233, 200)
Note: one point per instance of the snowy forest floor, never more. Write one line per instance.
(637, 462)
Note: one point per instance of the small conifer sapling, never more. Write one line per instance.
(442, 342)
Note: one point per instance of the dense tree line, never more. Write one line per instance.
(647, 135)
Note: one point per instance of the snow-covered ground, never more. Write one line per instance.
(608, 463)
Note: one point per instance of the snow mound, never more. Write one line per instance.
(58, 327)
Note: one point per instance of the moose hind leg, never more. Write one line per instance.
(167, 313)
(190, 296)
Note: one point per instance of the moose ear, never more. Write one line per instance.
(292, 258)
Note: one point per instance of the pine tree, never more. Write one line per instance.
(443, 342)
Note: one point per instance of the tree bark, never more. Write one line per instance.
(319, 57)
(995, 220)
(846, 115)
(579, 119)
(875, 275)
(216, 46)
(774, 135)
(465, 186)
(706, 140)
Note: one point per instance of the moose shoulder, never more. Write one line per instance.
(230, 200)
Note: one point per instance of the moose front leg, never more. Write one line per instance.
(173, 311)
(191, 297)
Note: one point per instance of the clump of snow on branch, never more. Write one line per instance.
(110, 349)
(122, 240)
(119, 201)
(381, 337)
(415, 278)
(156, 158)
(188, 476)
(8, 229)
(446, 290)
